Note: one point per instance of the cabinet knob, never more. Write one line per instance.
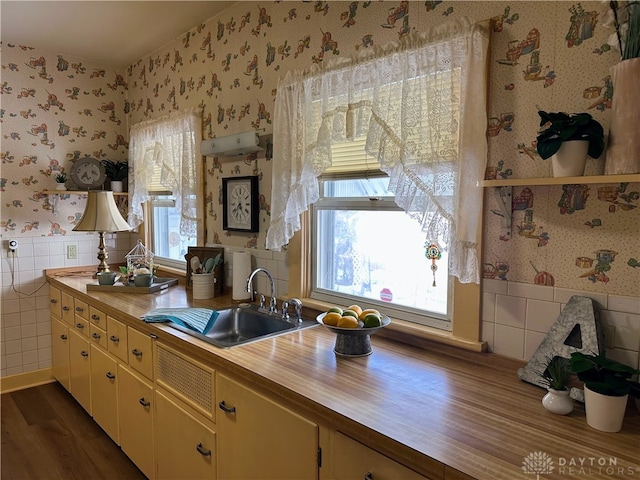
(63, 336)
(136, 353)
(79, 326)
(65, 308)
(79, 309)
(95, 317)
(53, 300)
(144, 403)
(226, 409)
(368, 476)
(96, 335)
(114, 339)
(84, 353)
(202, 451)
(110, 375)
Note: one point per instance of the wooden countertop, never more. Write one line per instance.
(439, 410)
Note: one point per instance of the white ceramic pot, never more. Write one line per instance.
(571, 159)
(116, 186)
(203, 285)
(558, 401)
(61, 186)
(604, 412)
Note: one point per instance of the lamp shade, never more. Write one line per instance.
(101, 214)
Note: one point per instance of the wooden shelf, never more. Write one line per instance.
(77, 192)
(590, 179)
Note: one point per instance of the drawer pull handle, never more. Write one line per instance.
(79, 326)
(136, 353)
(368, 476)
(96, 335)
(63, 336)
(114, 339)
(84, 353)
(144, 402)
(202, 451)
(226, 409)
(65, 308)
(110, 375)
(53, 300)
(95, 317)
(79, 309)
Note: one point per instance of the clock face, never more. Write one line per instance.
(87, 173)
(240, 210)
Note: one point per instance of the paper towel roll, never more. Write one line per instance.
(241, 271)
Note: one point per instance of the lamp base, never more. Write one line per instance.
(103, 266)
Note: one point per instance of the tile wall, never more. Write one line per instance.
(25, 326)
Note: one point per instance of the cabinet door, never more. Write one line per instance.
(60, 351)
(55, 304)
(135, 410)
(185, 446)
(353, 460)
(80, 369)
(104, 393)
(117, 334)
(140, 352)
(261, 439)
(66, 306)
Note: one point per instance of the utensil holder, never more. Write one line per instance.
(203, 285)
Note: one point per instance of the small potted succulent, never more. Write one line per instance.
(61, 178)
(607, 386)
(116, 172)
(556, 376)
(568, 139)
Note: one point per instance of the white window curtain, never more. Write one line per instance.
(168, 144)
(422, 106)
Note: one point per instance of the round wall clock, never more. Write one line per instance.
(88, 173)
(240, 204)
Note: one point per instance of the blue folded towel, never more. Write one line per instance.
(198, 319)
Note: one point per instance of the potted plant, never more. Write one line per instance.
(61, 178)
(607, 385)
(556, 376)
(568, 139)
(116, 172)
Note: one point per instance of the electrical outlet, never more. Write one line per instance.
(13, 248)
(72, 252)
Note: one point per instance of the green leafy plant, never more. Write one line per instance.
(625, 18)
(61, 177)
(605, 376)
(562, 127)
(557, 373)
(116, 171)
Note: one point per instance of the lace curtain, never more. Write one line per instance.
(167, 145)
(421, 106)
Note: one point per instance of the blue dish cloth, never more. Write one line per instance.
(198, 319)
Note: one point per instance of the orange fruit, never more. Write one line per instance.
(355, 308)
(331, 318)
(348, 321)
(364, 313)
(350, 313)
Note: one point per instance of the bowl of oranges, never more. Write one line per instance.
(353, 327)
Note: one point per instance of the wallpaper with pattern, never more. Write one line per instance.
(545, 55)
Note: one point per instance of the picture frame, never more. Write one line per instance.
(240, 204)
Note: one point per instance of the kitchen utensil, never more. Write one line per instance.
(208, 265)
(195, 263)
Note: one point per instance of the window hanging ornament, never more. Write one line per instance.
(433, 253)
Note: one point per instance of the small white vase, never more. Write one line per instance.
(604, 412)
(61, 186)
(116, 186)
(571, 159)
(558, 401)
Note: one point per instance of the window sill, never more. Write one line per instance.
(409, 333)
(176, 272)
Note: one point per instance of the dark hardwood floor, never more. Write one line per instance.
(46, 435)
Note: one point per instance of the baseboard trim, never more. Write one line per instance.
(26, 380)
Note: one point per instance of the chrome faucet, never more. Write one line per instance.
(298, 308)
(272, 303)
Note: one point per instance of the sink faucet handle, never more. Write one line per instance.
(263, 301)
(285, 310)
(297, 304)
(273, 306)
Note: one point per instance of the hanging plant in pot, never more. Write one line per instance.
(556, 376)
(623, 146)
(568, 139)
(607, 386)
(116, 172)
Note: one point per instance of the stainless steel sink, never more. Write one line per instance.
(244, 324)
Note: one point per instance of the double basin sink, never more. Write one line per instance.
(244, 324)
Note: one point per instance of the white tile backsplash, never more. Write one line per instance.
(509, 341)
(528, 290)
(541, 315)
(510, 311)
(624, 304)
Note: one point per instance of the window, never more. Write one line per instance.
(165, 240)
(367, 250)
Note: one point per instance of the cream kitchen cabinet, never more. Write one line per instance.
(117, 339)
(140, 352)
(257, 438)
(136, 419)
(185, 446)
(351, 460)
(80, 369)
(60, 351)
(55, 305)
(66, 306)
(104, 391)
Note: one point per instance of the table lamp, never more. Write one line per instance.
(101, 215)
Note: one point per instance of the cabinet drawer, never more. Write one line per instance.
(81, 325)
(66, 305)
(104, 393)
(98, 337)
(81, 309)
(140, 352)
(98, 318)
(55, 304)
(117, 338)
